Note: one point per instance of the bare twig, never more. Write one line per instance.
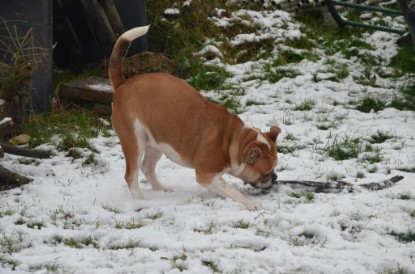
(336, 187)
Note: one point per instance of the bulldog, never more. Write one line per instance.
(155, 114)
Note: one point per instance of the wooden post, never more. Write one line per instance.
(113, 16)
(98, 22)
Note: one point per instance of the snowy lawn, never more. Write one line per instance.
(76, 218)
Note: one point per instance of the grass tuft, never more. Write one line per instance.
(404, 237)
(306, 105)
(74, 128)
(344, 149)
(241, 224)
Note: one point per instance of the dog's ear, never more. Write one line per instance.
(253, 154)
(273, 133)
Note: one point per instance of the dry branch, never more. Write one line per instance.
(336, 187)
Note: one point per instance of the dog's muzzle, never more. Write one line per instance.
(265, 181)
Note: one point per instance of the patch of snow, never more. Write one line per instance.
(5, 120)
(172, 11)
(103, 87)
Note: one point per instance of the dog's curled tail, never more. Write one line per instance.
(123, 42)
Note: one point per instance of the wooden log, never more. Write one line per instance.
(98, 22)
(113, 16)
(26, 152)
(92, 89)
(101, 109)
(9, 179)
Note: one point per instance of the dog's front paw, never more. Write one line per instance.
(167, 189)
(162, 188)
(252, 205)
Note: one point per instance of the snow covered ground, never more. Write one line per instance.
(76, 218)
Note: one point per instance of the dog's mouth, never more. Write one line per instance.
(265, 181)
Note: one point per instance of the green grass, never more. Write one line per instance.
(380, 137)
(408, 101)
(179, 39)
(334, 176)
(178, 262)
(305, 105)
(345, 148)
(14, 242)
(209, 78)
(403, 61)
(404, 237)
(155, 216)
(75, 243)
(407, 169)
(399, 270)
(131, 244)
(73, 127)
(308, 195)
(372, 158)
(110, 208)
(253, 102)
(132, 224)
(211, 265)
(288, 149)
(241, 224)
(369, 104)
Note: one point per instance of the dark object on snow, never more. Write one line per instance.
(25, 152)
(336, 187)
(9, 179)
(274, 177)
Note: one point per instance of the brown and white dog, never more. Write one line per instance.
(155, 114)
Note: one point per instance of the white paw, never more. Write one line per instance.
(162, 188)
(166, 189)
(252, 205)
(137, 194)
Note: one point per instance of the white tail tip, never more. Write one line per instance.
(134, 33)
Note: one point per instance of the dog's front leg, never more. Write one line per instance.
(218, 186)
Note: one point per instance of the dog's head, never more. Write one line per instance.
(260, 158)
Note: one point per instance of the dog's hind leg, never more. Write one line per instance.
(151, 157)
(133, 148)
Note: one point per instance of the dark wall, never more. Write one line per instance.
(36, 14)
(84, 52)
(133, 14)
